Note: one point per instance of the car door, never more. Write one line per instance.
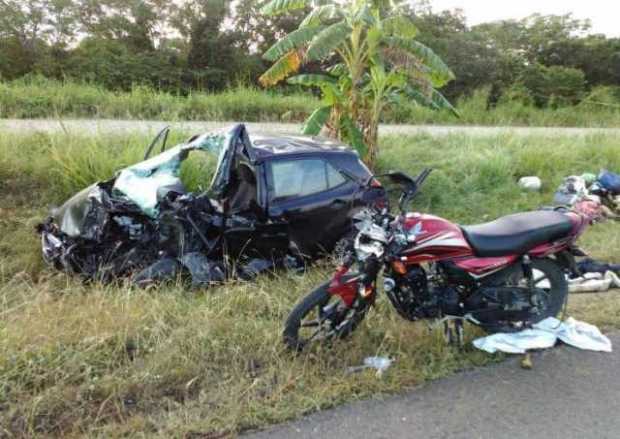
(313, 196)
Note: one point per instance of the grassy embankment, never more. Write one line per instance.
(111, 360)
(42, 98)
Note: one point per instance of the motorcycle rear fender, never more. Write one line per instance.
(550, 248)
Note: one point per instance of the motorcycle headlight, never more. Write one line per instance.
(364, 247)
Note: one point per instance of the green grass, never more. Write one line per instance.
(114, 361)
(42, 98)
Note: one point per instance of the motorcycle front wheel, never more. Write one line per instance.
(320, 317)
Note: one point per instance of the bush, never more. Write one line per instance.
(554, 86)
(604, 96)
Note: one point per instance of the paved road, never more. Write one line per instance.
(112, 125)
(569, 394)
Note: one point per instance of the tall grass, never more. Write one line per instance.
(113, 361)
(43, 98)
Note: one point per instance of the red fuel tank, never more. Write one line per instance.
(433, 238)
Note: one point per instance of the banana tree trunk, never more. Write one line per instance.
(371, 139)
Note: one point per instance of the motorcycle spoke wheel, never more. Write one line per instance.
(551, 289)
(319, 318)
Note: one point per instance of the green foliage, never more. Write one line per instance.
(399, 25)
(439, 72)
(292, 41)
(315, 122)
(37, 97)
(275, 7)
(327, 41)
(555, 86)
(282, 68)
(365, 38)
(180, 47)
(321, 14)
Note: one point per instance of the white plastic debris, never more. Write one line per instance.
(531, 183)
(380, 364)
(544, 335)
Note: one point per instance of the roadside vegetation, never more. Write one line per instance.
(209, 45)
(371, 63)
(37, 97)
(171, 362)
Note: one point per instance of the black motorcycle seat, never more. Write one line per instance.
(516, 234)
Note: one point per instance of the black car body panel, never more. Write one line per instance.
(273, 200)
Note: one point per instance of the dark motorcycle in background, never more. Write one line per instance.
(501, 276)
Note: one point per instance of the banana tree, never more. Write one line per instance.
(371, 59)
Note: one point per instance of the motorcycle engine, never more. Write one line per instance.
(409, 294)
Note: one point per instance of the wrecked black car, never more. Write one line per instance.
(273, 201)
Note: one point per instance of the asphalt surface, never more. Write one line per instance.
(97, 126)
(568, 394)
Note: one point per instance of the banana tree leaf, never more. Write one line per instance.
(354, 136)
(316, 121)
(439, 72)
(292, 41)
(286, 65)
(275, 7)
(321, 15)
(327, 84)
(440, 101)
(435, 100)
(327, 41)
(312, 80)
(337, 69)
(364, 15)
(399, 26)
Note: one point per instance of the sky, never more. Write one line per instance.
(604, 14)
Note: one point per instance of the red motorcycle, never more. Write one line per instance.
(501, 276)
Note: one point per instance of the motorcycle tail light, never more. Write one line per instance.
(399, 267)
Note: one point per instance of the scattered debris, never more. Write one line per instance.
(597, 196)
(380, 364)
(531, 183)
(544, 335)
(526, 361)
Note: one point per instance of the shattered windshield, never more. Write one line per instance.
(142, 182)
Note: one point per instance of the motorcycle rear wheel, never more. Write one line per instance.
(325, 314)
(547, 276)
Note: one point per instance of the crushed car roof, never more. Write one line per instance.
(266, 145)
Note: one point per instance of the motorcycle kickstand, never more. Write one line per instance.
(454, 333)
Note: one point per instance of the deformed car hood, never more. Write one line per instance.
(140, 183)
(73, 214)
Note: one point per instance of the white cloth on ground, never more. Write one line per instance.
(543, 335)
(593, 282)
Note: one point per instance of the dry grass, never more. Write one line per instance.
(113, 361)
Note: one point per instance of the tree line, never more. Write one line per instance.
(179, 46)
